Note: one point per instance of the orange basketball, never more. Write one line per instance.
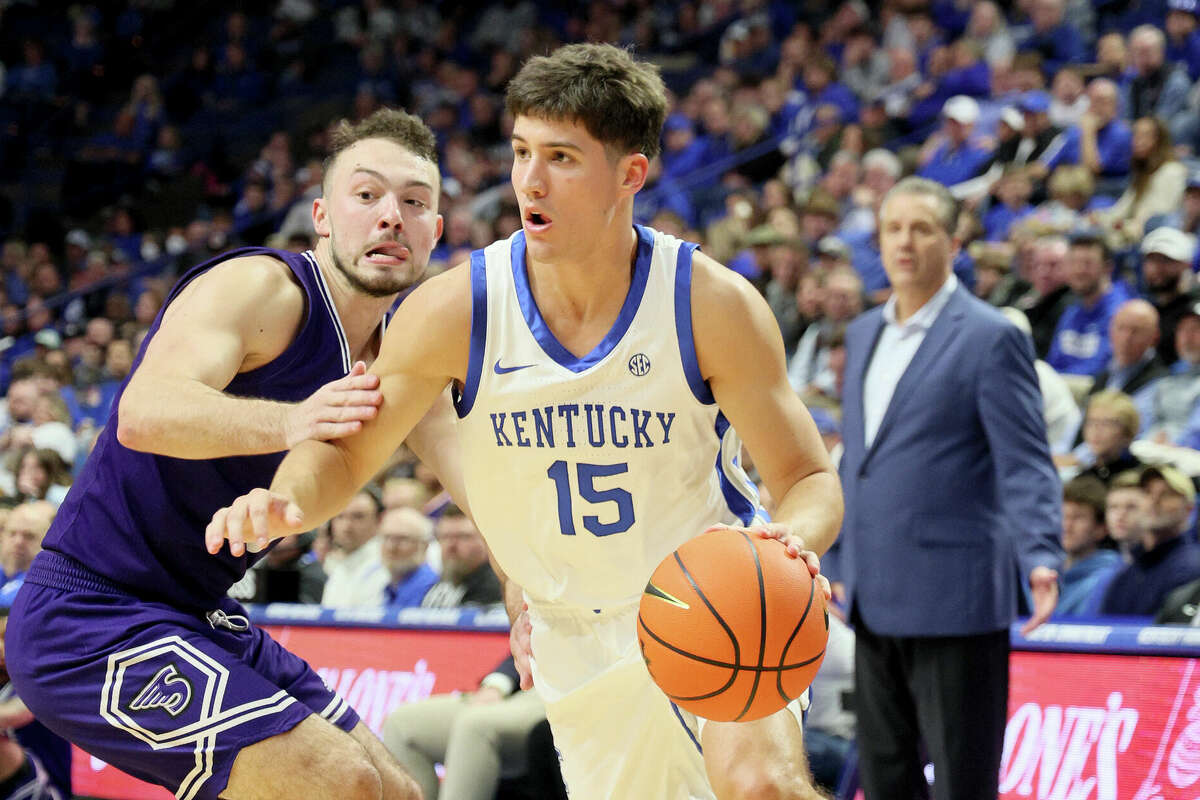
(731, 627)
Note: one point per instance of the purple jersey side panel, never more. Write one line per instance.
(138, 519)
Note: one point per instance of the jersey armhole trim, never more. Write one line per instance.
(683, 324)
(465, 399)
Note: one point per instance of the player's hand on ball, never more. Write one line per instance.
(792, 543)
(337, 409)
(252, 522)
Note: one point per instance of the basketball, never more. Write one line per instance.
(731, 627)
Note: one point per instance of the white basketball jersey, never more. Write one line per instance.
(583, 473)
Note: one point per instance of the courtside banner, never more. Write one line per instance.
(1087, 726)
(373, 668)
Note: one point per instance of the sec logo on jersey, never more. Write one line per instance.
(639, 364)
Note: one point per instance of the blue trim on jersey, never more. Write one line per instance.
(541, 331)
(742, 507)
(683, 324)
(465, 399)
(691, 735)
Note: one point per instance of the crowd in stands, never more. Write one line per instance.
(138, 139)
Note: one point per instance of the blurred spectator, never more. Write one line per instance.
(1013, 191)
(1135, 363)
(1125, 509)
(404, 536)
(1109, 427)
(1059, 410)
(1162, 559)
(1156, 183)
(20, 540)
(1092, 559)
(1158, 89)
(1167, 255)
(478, 736)
(1081, 345)
(1183, 38)
(1186, 218)
(467, 578)
(988, 28)
(289, 573)
(41, 474)
(953, 157)
(841, 301)
(1048, 294)
(1175, 398)
(1102, 141)
(1052, 37)
(1068, 101)
(405, 493)
(357, 577)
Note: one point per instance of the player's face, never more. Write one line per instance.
(380, 214)
(915, 248)
(567, 185)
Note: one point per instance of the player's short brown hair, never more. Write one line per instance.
(621, 101)
(392, 124)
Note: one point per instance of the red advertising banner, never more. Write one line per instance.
(1102, 727)
(374, 669)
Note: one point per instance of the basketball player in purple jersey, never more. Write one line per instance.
(122, 639)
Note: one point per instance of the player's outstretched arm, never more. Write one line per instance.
(239, 315)
(741, 355)
(426, 347)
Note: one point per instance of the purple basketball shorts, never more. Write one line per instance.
(168, 696)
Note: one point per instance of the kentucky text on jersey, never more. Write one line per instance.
(583, 425)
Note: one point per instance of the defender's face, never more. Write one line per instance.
(380, 214)
(567, 186)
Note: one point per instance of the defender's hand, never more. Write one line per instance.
(337, 409)
(252, 522)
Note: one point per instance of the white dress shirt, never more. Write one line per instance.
(358, 579)
(898, 343)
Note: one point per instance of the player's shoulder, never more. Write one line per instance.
(716, 287)
(439, 303)
(253, 277)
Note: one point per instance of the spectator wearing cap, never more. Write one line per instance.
(1136, 362)
(1092, 557)
(1040, 138)
(404, 537)
(1183, 35)
(1080, 345)
(1052, 37)
(956, 158)
(1102, 141)
(682, 152)
(1158, 88)
(1156, 182)
(1174, 408)
(1162, 559)
(1167, 255)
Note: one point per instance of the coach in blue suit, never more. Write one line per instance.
(948, 483)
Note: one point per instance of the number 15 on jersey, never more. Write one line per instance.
(585, 481)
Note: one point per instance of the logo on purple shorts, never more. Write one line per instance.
(167, 690)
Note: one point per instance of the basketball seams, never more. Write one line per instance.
(737, 650)
(812, 590)
(762, 626)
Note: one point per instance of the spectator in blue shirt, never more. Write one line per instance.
(1101, 142)
(1162, 559)
(404, 536)
(1053, 37)
(1092, 558)
(1013, 191)
(957, 158)
(1183, 37)
(1081, 345)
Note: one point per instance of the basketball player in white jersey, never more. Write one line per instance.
(598, 367)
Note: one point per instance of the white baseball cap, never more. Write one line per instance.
(961, 108)
(1170, 242)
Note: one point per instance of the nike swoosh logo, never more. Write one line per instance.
(505, 370)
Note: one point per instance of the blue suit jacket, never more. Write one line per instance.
(958, 485)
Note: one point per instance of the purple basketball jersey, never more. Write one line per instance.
(138, 519)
